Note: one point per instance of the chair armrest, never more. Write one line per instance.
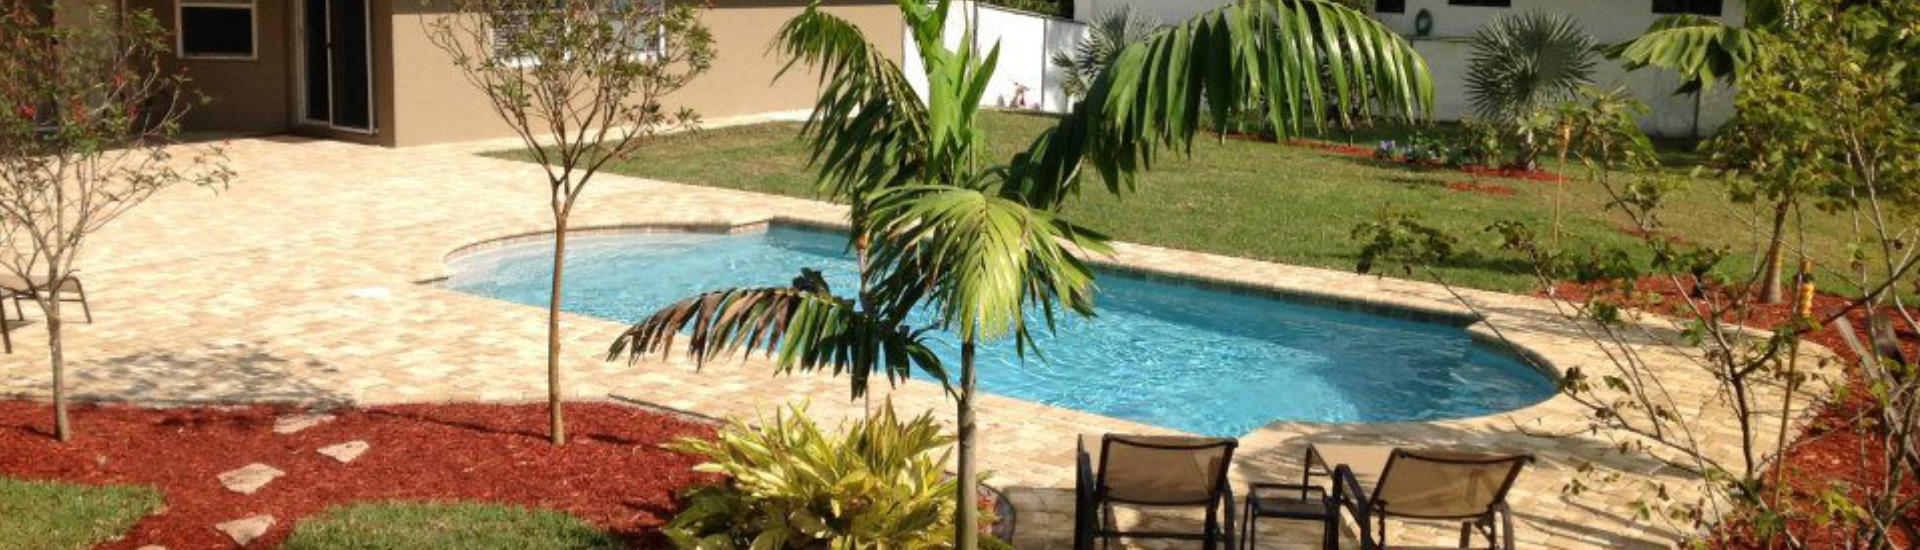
(1348, 494)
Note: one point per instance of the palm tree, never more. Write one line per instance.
(1109, 34)
(982, 246)
(1522, 65)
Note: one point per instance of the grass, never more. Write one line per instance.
(472, 526)
(1270, 202)
(42, 514)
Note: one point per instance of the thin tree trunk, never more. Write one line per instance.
(557, 429)
(1770, 267)
(966, 530)
(61, 430)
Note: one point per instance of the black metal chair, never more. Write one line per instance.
(1424, 485)
(1153, 472)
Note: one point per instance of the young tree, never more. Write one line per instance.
(982, 246)
(88, 121)
(582, 83)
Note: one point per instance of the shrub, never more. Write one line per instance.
(878, 483)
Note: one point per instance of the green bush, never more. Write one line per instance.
(876, 484)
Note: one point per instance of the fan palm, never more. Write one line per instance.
(982, 247)
(1523, 64)
(1105, 38)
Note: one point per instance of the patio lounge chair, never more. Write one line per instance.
(1375, 483)
(20, 290)
(1157, 472)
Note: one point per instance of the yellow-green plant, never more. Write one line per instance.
(878, 483)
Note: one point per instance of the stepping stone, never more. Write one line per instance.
(291, 424)
(345, 452)
(246, 530)
(247, 479)
(151, 547)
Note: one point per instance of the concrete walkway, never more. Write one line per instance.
(304, 282)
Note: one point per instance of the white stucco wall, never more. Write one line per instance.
(1448, 53)
(1027, 43)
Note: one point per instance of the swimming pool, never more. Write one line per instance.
(1182, 356)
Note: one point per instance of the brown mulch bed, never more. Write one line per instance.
(612, 473)
(1828, 450)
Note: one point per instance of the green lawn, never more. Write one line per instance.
(423, 526)
(1259, 200)
(49, 515)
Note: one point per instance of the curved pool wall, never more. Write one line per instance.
(1174, 353)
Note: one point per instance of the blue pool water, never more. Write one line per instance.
(1174, 355)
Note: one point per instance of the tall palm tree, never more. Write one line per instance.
(982, 246)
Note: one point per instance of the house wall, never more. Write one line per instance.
(433, 103)
(1448, 51)
(244, 95)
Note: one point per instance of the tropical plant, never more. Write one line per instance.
(981, 246)
(89, 126)
(1703, 52)
(877, 483)
(1110, 33)
(581, 83)
(1522, 65)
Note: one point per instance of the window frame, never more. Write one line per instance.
(1378, 9)
(1721, 12)
(180, 28)
(1503, 4)
(658, 47)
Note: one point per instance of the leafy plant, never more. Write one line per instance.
(1109, 34)
(1523, 64)
(878, 483)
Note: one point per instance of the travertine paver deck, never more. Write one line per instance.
(304, 282)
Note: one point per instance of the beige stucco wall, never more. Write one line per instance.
(245, 95)
(433, 103)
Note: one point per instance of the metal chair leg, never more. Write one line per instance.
(81, 290)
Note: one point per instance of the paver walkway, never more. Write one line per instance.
(304, 283)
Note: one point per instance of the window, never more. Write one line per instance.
(1483, 3)
(1390, 6)
(510, 29)
(215, 29)
(1710, 8)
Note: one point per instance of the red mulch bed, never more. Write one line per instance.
(612, 473)
(1828, 450)
(1482, 171)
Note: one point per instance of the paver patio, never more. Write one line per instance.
(311, 280)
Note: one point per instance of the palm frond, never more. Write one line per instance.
(1302, 61)
(868, 127)
(980, 261)
(802, 328)
(1701, 51)
(1522, 63)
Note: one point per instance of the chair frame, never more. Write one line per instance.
(79, 296)
(1093, 507)
(1495, 523)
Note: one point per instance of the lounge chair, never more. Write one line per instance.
(21, 290)
(1155, 472)
(1375, 483)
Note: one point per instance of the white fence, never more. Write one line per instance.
(1026, 77)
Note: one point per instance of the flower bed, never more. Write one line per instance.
(613, 473)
